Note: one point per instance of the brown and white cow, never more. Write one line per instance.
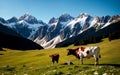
(55, 57)
(86, 53)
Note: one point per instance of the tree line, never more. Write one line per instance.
(96, 39)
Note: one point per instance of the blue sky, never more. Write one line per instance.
(46, 9)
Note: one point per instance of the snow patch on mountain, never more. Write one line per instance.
(108, 23)
(52, 43)
(80, 19)
(55, 23)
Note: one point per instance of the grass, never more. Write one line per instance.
(38, 62)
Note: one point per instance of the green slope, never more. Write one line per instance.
(38, 62)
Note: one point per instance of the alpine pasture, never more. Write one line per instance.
(38, 62)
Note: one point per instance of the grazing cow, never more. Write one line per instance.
(86, 53)
(55, 57)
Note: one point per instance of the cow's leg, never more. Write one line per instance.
(96, 60)
(81, 60)
(53, 60)
(56, 61)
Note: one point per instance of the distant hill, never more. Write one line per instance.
(13, 40)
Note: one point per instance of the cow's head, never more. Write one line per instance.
(73, 52)
(70, 52)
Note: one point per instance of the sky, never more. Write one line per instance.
(46, 9)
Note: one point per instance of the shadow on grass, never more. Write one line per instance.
(2, 50)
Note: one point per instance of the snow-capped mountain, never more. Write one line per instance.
(26, 25)
(57, 29)
(66, 26)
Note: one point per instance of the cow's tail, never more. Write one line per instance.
(99, 52)
(99, 56)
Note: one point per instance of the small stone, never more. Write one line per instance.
(104, 73)
(54, 70)
(95, 73)
(2, 74)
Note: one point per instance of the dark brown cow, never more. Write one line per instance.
(55, 57)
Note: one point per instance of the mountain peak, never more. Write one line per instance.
(26, 14)
(52, 20)
(65, 14)
(13, 19)
(65, 17)
(2, 20)
(28, 18)
(83, 15)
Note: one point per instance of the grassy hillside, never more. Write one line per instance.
(38, 62)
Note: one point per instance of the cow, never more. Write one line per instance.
(88, 52)
(55, 57)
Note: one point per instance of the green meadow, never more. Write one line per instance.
(38, 62)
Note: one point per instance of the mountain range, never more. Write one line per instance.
(58, 30)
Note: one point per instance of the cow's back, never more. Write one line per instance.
(95, 50)
(92, 50)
